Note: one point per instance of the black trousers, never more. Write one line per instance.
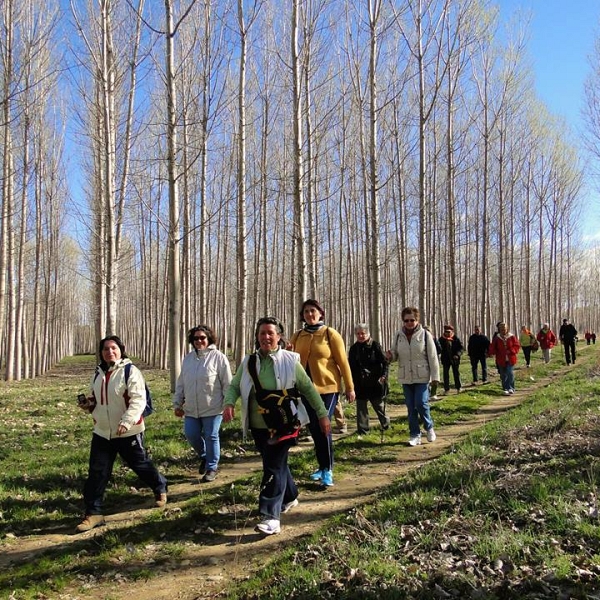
(569, 351)
(455, 373)
(103, 453)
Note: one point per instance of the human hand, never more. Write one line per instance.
(179, 412)
(325, 425)
(228, 414)
(388, 355)
(121, 429)
(351, 396)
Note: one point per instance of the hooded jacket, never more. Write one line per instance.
(417, 360)
(113, 406)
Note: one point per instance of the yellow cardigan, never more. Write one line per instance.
(323, 355)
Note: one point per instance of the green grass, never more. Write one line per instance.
(521, 492)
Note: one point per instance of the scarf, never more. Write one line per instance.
(313, 328)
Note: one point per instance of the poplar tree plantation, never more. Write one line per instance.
(166, 164)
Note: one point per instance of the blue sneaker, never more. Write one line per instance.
(327, 479)
(317, 475)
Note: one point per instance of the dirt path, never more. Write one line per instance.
(239, 551)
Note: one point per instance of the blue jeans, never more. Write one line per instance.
(416, 398)
(507, 377)
(203, 435)
(277, 486)
(323, 443)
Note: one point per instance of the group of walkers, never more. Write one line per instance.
(284, 385)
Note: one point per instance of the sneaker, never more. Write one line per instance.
(511, 392)
(210, 475)
(436, 397)
(507, 392)
(529, 366)
(160, 499)
(89, 522)
(459, 391)
(327, 478)
(317, 475)
(268, 526)
(343, 429)
(415, 440)
(289, 505)
(431, 437)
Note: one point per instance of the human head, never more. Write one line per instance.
(361, 330)
(116, 340)
(269, 322)
(205, 329)
(410, 317)
(448, 330)
(502, 328)
(565, 321)
(314, 304)
(477, 329)
(546, 326)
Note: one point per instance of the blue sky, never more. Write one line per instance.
(562, 34)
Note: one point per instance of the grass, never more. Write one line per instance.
(510, 512)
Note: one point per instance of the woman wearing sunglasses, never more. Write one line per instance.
(414, 349)
(199, 394)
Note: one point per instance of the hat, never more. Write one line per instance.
(448, 328)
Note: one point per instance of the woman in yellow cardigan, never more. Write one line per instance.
(323, 356)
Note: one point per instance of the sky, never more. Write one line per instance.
(561, 37)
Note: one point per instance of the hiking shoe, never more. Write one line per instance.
(431, 437)
(268, 526)
(317, 475)
(289, 505)
(343, 429)
(436, 397)
(89, 522)
(415, 440)
(210, 475)
(459, 391)
(511, 391)
(160, 499)
(327, 478)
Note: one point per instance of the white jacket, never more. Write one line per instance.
(417, 361)
(201, 386)
(112, 409)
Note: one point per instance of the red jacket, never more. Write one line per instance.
(505, 350)
(547, 340)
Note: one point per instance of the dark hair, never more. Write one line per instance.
(110, 338)
(269, 321)
(407, 310)
(210, 334)
(311, 302)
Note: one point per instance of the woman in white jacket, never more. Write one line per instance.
(414, 349)
(199, 393)
(116, 403)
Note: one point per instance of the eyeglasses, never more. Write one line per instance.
(199, 338)
(409, 320)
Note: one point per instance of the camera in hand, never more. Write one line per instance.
(84, 402)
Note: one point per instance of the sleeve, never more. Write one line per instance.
(432, 358)
(338, 350)
(459, 347)
(136, 392)
(234, 391)
(309, 392)
(225, 375)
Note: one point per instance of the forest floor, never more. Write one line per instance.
(207, 569)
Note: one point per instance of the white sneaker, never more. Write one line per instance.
(289, 505)
(415, 440)
(511, 391)
(268, 526)
(507, 392)
(431, 437)
(436, 397)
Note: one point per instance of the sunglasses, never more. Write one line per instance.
(199, 338)
(409, 320)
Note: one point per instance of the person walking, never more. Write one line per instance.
(547, 341)
(528, 342)
(452, 349)
(369, 369)
(323, 355)
(505, 347)
(116, 403)
(199, 393)
(477, 349)
(415, 351)
(271, 368)
(567, 335)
